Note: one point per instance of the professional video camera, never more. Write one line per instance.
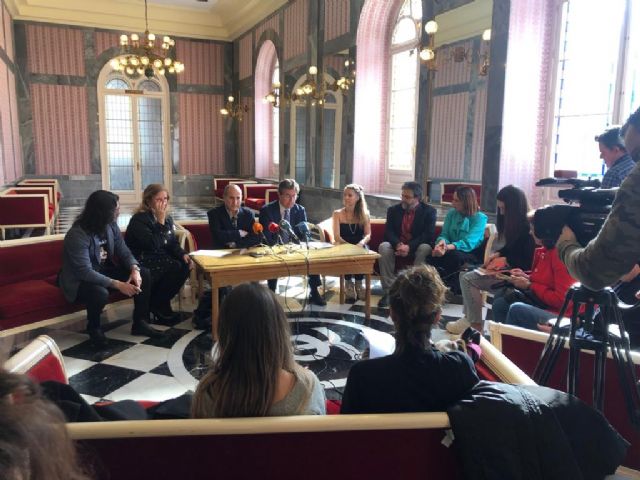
(586, 218)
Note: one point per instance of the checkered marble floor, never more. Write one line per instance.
(327, 339)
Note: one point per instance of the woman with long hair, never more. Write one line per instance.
(511, 248)
(416, 377)
(34, 443)
(151, 236)
(351, 224)
(254, 373)
(96, 259)
(461, 237)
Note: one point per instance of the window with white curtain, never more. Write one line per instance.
(597, 81)
(403, 100)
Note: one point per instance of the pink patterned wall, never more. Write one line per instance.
(204, 62)
(370, 138)
(6, 141)
(2, 27)
(55, 50)
(246, 129)
(448, 132)
(15, 123)
(8, 34)
(477, 149)
(272, 23)
(449, 72)
(245, 54)
(335, 62)
(61, 129)
(522, 159)
(201, 134)
(336, 18)
(105, 41)
(296, 23)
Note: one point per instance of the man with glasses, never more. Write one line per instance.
(286, 208)
(408, 233)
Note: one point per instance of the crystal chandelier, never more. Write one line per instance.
(233, 109)
(142, 56)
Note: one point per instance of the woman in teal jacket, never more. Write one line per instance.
(461, 237)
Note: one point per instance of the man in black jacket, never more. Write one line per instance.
(231, 224)
(409, 232)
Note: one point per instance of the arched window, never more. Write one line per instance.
(403, 98)
(267, 118)
(134, 133)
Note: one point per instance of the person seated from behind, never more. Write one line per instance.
(461, 237)
(231, 224)
(543, 289)
(511, 248)
(286, 208)
(151, 237)
(96, 259)
(34, 442)
(416, 377)
(614, 154)
(408, 233)
(254, 373)
(351, 224)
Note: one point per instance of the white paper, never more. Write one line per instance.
(380, 344)
(211, 253)
(315, 245)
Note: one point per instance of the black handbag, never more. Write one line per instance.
(513, 295)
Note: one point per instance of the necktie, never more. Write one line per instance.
(284, 233)
(234, 222)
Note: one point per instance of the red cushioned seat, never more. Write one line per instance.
(254, 203)
(29, 296)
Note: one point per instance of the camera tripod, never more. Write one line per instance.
(599, 333)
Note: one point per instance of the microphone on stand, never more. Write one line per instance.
(303, 227)
(286, 226)
(258, 230)
(274, 228)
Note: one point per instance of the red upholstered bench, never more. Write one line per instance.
(220, 183)
(50, 183)
(448, 189)
(26, 207)
(255, 195)
(523, 347)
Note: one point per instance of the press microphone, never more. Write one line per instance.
(273, 227)
(258, 230)
(303, 227)
(286, 226)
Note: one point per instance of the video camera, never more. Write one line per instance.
(585, 219)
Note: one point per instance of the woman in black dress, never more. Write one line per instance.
(151, 237)
(351, 224)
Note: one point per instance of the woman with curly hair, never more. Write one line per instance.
(416, 377)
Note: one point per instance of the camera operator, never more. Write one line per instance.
(616, 249)
(614, 155)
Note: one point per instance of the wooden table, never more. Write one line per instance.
(239, 266)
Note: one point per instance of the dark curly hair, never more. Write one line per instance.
(99, 211)
(416, 298)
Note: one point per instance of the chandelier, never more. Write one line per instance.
(142, 56)
(458, 54)
(233, 109)
(313, 89)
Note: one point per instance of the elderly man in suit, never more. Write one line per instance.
(286, 208)
(409, 232)
(231, 224)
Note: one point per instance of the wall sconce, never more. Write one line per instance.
(458, 54)
(233, 109)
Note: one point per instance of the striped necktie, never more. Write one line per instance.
(284, 233)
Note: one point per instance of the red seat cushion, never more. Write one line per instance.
(254, 203)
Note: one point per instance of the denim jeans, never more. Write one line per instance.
(528, 316)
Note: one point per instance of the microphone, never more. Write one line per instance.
(273, 227)
(303, 227)
(286, 226)
(258, 230)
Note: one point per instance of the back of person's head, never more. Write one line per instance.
(631, 133)
(34, 443)
(360, 211)
(415, 187)
(467, 196)
(416, 298)
(611, 138)
(547, 223)
(254, 345)
(288, 184)
(514, 219)
(99, 211)
(149, 193)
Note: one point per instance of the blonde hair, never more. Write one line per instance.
(360, 211)
(147, 196)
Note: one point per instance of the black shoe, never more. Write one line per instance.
(141, 327)
(165, 318)
(316, 298)
(384, 301)
(97, 338)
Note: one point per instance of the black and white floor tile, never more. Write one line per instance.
(326, 339)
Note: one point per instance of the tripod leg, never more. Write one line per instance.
(598, 378)
(552, 347)
(574, 354)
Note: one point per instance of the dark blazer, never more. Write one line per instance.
(423, 228)
(271, 213)
(519, 252)
(223, 233)
(145, 237)
(81, 258)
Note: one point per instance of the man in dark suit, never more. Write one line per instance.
(286, 208)
(231, 224)
(409, 232)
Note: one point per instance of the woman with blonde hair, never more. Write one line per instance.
(351, 224)
(254, 373)
(416, 377)
(151, 237)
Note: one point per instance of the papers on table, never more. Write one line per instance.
(315, 245)
(211, 253)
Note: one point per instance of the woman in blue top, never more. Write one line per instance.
(461, 237)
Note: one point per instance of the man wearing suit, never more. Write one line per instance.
(231, 224)
(286, 208)
(409, 232)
